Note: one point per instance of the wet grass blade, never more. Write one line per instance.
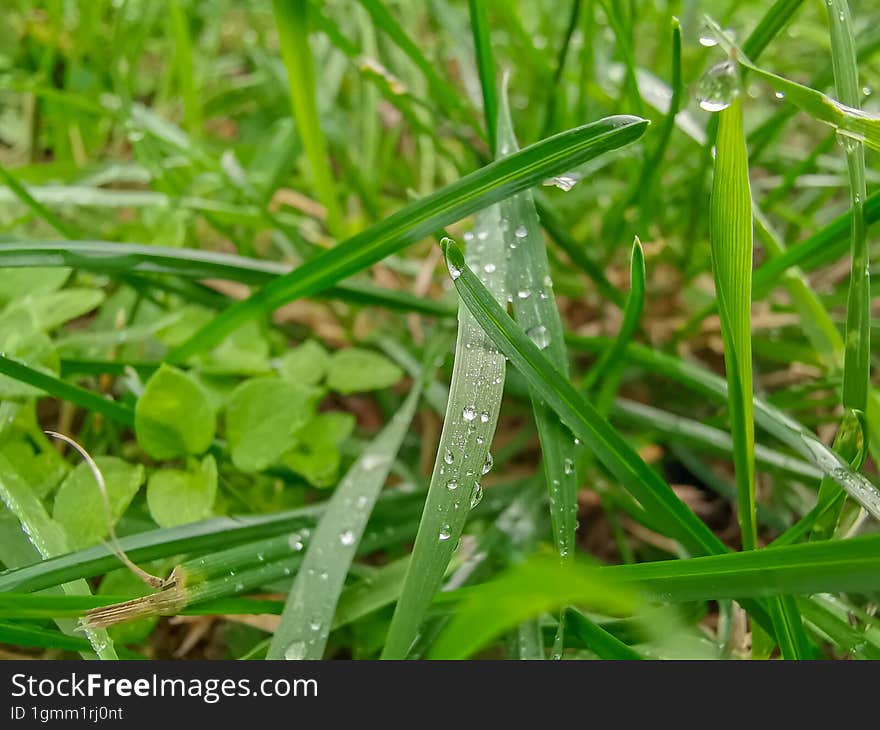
(475, 191)
(610, 448)
(463, 455)
(311, 603)
(293, 34)
(534, 308)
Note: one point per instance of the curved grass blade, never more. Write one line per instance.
(602, 643)
(124, 258)
(463, 452)
(534, 308)
(293, 34)
(848, 120)
(475, 191)
(610, 448)
(311, 604)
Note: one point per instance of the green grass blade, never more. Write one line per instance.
(463, 452)
(770, 419)
(67, 230)
(486, 67)
(67, 391)
(475, 191)
(848, 120)
(830, 566)
(857, 358)
(600, 642)
(731, 237)
(604, 376)
(124, 258)
(183, 61)
(611, 449)
(529, 589)
(293, 34)
(311, 604)
(534, 307)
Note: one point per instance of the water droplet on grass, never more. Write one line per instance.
(520, 232)
(718, 87)
(476, 495)
(347, 537)
(488, 465)
(468, 413)
(540, 336)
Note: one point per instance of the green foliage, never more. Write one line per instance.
(354, 370)
(177, 497)
(173, 416)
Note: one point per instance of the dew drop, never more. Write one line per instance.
(315, 624)
(708, 41)
(448, 458)
(296, 651)
(484, 417)
(454, 272)
(718, 87)
(568, 466)
(564, 182)
(468, 413)
(540, 336)
(347, 537)
(523, 294)
(476, 495)
(444, 533)
(487, 467)
(779, 95)
(520, 232)
(452, 485)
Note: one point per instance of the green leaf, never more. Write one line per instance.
(262, 416)
(53, 309)
(79, 506)
(18, 283)
(173, 417)
(305, 364)
(176, 497)
(354, 370)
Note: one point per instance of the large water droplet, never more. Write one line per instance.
(476, 495)
(718, 87)
(568, 466)
(444, 533)
(347, 537)
(488, 465)
(452, 485)
(540, 336)
(454, 271)
(448, 458)
(468, 413)
(707, 40)
(520, 232)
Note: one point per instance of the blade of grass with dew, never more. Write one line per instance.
(579, 415)
(534, 308)
(475, 191)
(850, 442)
(311, 604)
(293, 34)
(604, 377)
(849, 121)
(463, 455)
(48, 537)
(536, 586)
(479, 18)
(770, 419)
(124, 258)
